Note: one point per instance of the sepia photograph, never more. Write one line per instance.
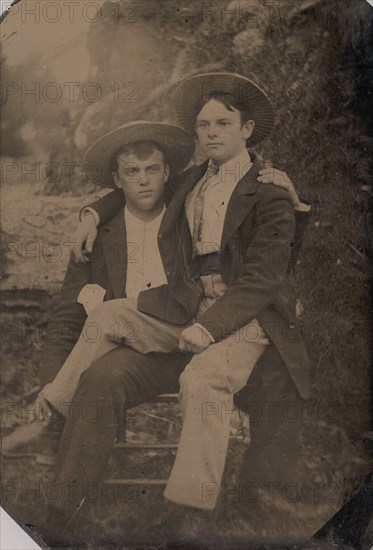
(186, 273)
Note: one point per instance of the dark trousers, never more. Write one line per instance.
(286, 492)
(277, 414)
(117, 381)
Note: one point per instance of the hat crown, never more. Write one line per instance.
(197, 89)
(177, 143)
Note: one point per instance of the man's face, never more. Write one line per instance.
(142, 181)
(220, 132)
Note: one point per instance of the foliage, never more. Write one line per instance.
(12, 118)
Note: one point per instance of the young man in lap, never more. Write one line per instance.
(137, 159)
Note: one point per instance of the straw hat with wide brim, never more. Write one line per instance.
(194, 90)
(178, 145)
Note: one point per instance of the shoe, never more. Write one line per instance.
(69, 525)
(35, 437)
(183, 524)
(53, 528)
(197, 525)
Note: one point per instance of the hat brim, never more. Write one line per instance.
(190, 93)
(178, 144)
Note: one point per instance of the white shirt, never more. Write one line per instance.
(144, 264)
(217, 196)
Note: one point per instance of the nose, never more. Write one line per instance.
(143, 178)
(212, 131)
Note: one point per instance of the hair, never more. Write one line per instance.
(142, 150)
(230, 102)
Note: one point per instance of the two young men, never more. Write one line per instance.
(235, 237)
(224, 248)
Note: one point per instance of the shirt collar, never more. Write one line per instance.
(130, 218)
(237, 166)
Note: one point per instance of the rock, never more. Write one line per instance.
(37, 237)
(137, 62)
(248, 43)
(238, 12)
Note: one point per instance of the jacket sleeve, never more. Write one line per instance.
(264, 269)
(66, 322)
(107, 206)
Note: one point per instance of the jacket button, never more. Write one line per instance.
(292, 324)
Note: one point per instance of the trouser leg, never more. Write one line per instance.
(276, 413)
(110, 324)
(118, 380)
(207, 386)
(288, 485)
(275, 486)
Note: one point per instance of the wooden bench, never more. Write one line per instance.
(239, 434)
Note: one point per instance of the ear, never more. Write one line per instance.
(248, 128)
(116, 179)
(167, 172)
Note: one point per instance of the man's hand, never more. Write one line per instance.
(272, 175)
(41, 409)
(194, 339)
(85, 236)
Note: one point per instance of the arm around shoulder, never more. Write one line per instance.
(108, 206)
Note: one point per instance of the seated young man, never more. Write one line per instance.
(236, 236)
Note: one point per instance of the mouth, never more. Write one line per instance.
(214, 144)
(146, 193)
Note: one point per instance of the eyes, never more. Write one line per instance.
(128, 172)
(154, 169)
(132, 171)
(203, 125)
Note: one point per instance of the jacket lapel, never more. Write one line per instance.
(175, 207)
(242, 200)
(114, 248)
